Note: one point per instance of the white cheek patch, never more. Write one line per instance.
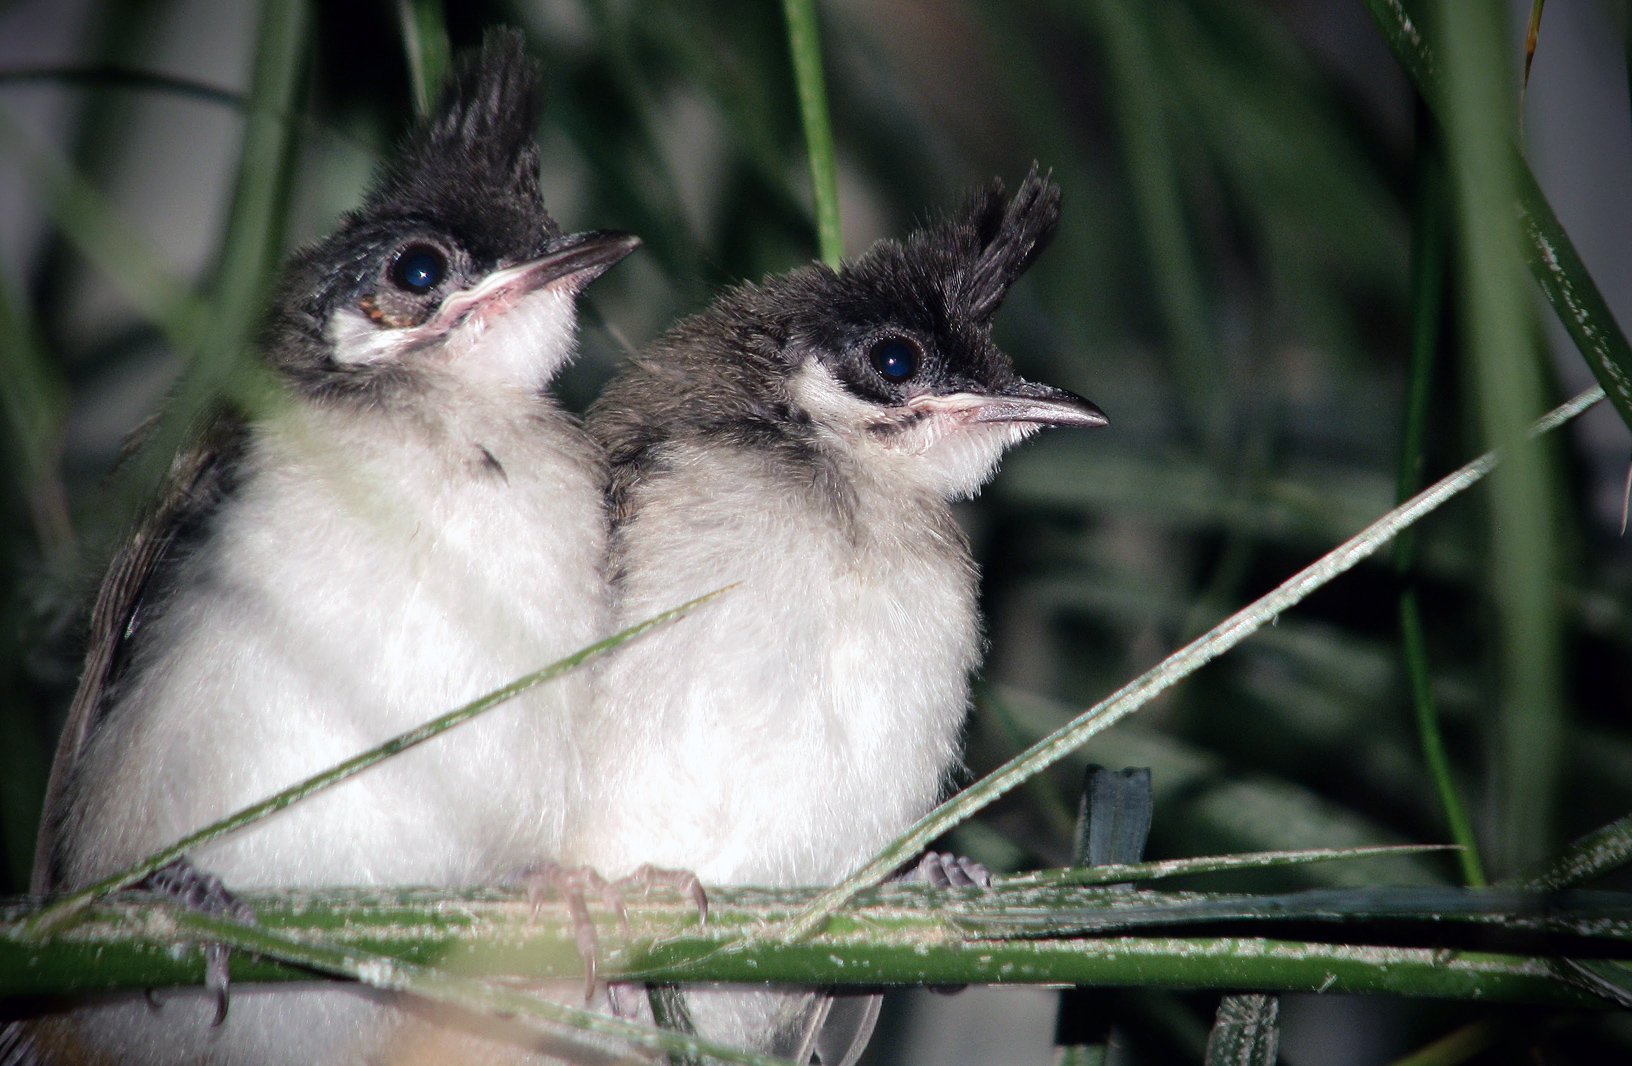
(358, 340)
(829, 403)
(521, 343)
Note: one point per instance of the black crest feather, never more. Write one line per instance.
(1009, 237)
(475, 151)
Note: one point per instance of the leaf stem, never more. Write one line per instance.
(804, 43)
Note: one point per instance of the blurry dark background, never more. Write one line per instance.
(1229, 284)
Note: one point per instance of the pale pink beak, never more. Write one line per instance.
(1022, 401)
(586, 257)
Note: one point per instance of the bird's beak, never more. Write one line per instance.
(583, 258)
(1021, 401)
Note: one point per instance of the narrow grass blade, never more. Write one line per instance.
(125, 78)
(1258, 860)
(804, 43)
(571, 1031)
(33, 397)
(86, 218)
(1529, 732)
(1454, 1048)
(425, 39)
(1430, 241)
(1597, 919)
(1136, 84)
(1246, 1031)
(901, 934)
(1181, 664)
(1433, 742)
(1586, 858)
(253, 240)
(1549, 252)
(75, 902)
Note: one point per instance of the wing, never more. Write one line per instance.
(200, 477)
(841, 1031)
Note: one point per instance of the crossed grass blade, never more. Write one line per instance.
(75, 902)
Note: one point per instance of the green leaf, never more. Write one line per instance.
(804, 44)
(1259, 860)
(1587, 858)
(425, 40)
(1548, 250)
(1247, 1031)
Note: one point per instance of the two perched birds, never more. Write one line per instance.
(417, 522)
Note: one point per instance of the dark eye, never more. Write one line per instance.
(418, 268)
(895, 358)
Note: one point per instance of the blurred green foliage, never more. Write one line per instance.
(1230, 282)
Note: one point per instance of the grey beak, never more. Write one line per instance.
(585, 257)
(1043, 405)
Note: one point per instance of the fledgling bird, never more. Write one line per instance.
(805, 437)
(415, 523)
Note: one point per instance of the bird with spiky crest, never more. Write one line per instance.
(805, 437)
(410, 522)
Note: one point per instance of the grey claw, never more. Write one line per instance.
(573, 882)
(203, 891)
(944, 870)
(216, 979)
(682, 881)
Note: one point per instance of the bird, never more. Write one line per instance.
(406, 522)
(805, 438)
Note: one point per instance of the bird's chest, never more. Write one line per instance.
(450, 565)
(810, 714)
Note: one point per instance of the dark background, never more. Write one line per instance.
(1229, 284)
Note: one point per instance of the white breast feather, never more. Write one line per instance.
(365, 578)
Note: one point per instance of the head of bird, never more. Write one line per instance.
(888, 360)
(452, 265)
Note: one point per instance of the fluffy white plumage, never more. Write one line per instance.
(374, 568)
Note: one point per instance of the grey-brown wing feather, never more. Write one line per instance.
(199, 478)
(840, 1028)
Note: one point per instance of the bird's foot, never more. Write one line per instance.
(942, 869)
(203, 891)
(684, 882)
(576, 883)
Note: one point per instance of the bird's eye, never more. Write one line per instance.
(896, 358)
(418, 268)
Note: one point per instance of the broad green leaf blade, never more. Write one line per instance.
(1528, 741)
(1136, 83)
